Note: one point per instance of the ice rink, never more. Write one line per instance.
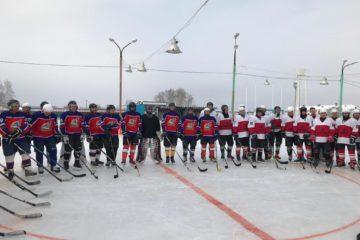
(170, 202)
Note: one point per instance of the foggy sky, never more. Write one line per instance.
(278, 35)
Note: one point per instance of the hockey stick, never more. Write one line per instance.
(218, 168)
(197, 165)
(51, 173)
(113, 160)
(86, 166)
(22, 179)
(41, 204)
(13, 233)
(25, 188)
(182, 160)
(233, 159)
(135, 165)
(296, 155)
(23, 216)
(66, 170)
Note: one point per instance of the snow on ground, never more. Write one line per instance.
(289, 204)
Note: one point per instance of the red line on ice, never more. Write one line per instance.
(231, 213)
(39, 236)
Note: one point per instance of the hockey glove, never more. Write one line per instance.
(352, 140)
(253, 137)
(65, 139)
(139, 135)
(14, 135)
(89, 138)
(306, 136)
(283, 134)
(57, 138)
(296, 139)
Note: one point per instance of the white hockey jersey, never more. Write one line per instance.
(345, 129)
(225, 124)
(240, 126)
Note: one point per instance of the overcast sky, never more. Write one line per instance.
(278, 35)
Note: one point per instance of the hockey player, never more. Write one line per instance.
(45, 133)
(259, 127)
(287, 127)
(71, 126)
(241, 133)
(208, 134)
(151, 135)
(210, 106)
(346, 132)
(332, 145)
(170, 127)
(111, 125)
(313, 114)
(356, 116)
(94, 134)
(26, 109)
(322, 133)
(275, 136)
(13, 128)
(188, 133)
(131, 129)
(225, 126)
(302, 128)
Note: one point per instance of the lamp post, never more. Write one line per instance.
(344, 65)
(267, 83)
(234, 74)
(121, 50)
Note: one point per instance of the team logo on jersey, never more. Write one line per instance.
(45, 127)
(131, 122)
(207, 126)
(74, 122)
(171, 122)
(15, 125)
(190, 126)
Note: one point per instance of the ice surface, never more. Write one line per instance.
(284, 204)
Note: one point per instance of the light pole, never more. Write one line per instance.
(121, 50)
(234, 74)
(267, 83)
(344, 65)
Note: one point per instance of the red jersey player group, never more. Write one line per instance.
(313, 133)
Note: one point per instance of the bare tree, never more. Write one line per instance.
(178, 96)
(6, 92)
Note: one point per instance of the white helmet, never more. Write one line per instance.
(345, 110)
(25, 105)
(47, 108)
(322, 110)
(263, 106)
(242, 108)
(206, 109)
(334, 110)
(356, 111)
(290, 109)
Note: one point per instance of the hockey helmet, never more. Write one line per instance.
(72, 102)
(290, 109)
(171, 104)
(47, 108)
(43, 103)
(12, 102)
(334, 110)
(322, 110)
(25, 105)
(132, 106)
(356, 111)
(92, 105)
(206, 109)
(345, 110)
(223, 107)
(242, 108)
(110, 106)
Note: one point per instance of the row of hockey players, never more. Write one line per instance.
(22, 130)
(312, 132)
(260, 132)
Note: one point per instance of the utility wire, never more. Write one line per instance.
(186, 24)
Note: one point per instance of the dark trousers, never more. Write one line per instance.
(189, 143)
(75, 145)
(50, 144)
(111, 144)
(324, 148)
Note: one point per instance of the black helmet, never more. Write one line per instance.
(131, 105)
(259, 109)
(93, 105)
(172, 104)
(210, 104)
(223, 107)
(43, 103)
(72, 102)
(12, 101)
(110, 106)
(303, 109)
